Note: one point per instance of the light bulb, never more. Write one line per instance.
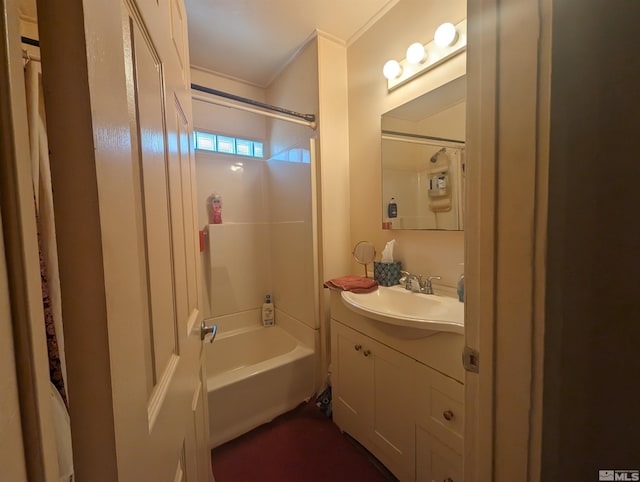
(416, 53)
(392, 69)
(445, 35)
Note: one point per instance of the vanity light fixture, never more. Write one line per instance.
(449, 40)
(416, 54)
(446, 35)
(392, 69)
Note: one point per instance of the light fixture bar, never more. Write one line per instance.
(435, 56)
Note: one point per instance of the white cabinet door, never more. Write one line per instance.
(393, 401)
(373, 397)
(352, 381)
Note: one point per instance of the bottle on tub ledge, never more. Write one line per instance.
(268, 312)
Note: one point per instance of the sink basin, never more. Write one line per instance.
(397, 306)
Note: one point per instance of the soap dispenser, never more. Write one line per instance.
(268, 312)
(392, 208)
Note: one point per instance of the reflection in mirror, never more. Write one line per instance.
(364, 252)
(423, 161)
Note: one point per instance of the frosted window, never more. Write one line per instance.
(206, 141)
(226, 145)
(244, 147)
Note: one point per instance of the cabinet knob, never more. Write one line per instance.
(366, 352)
(448, 415)
(357, 347)
(448, 479)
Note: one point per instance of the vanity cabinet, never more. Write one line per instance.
(439, 419)
(400, 394)
(436, 461)
(373, 397)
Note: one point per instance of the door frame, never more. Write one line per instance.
(508, 82)
(22, 258)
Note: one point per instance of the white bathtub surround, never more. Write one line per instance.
(229, 325)
(253, 375)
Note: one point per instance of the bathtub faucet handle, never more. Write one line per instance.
(205, 330)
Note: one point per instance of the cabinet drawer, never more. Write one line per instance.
(435, 462)
(440, 406)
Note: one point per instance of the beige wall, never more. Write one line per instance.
(334, 151)
(426, 252)
(296, 86)
(225, 84)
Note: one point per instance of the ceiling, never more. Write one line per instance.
(253, 40)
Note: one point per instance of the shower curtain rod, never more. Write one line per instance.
(247, 108)
(311, 118)
(26, 55)
(392, 135)
(30, 41)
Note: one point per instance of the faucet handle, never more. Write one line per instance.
(428, 287)
(408, 278)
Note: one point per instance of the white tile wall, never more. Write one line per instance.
(264, 244)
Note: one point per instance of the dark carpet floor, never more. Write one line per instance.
(300, 446)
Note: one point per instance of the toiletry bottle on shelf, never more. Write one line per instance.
(392, 208)
(268, 312)
(216, 209)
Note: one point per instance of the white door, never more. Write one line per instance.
(118, 106)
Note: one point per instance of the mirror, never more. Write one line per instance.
(364, 252)
(423, 161)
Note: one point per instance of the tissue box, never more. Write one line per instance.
(387, 274)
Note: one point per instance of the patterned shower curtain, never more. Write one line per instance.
(55, 364)
(43, 197)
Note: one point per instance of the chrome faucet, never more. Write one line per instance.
(413, 282)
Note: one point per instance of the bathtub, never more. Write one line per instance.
(253, 375)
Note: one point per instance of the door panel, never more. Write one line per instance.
(179, 157)
(156, 221)
(178, 28)
(198, 462)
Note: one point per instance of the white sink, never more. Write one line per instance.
(397, 306)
